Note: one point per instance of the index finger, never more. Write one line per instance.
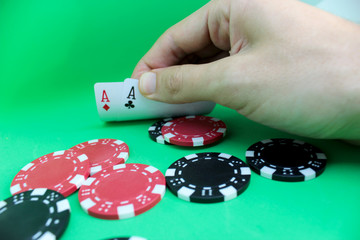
(186, 37)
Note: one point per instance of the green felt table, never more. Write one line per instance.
(52, 53)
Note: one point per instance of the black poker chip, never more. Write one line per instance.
(35, 214)
(208, 177)
(155, 131)
(286, 160)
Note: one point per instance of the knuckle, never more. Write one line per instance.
(174, 83)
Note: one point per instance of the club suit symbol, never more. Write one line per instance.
(129, 105)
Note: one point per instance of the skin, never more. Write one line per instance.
(284, 64)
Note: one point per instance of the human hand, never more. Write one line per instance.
(284, 64)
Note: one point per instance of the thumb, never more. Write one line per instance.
(181, 84)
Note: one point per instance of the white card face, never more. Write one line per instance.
(108, 97)
(133, 102)
(131, 105)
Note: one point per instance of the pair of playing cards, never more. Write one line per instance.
(122, 101)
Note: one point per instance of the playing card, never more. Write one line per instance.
(134, 104)
(108, 100)
(131, 105)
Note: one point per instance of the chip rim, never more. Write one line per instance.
(156, 134)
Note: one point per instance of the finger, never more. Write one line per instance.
(186, 83)
(208, 54)
(214, 58)
(204, 56)
(187, 36)
(192, 35)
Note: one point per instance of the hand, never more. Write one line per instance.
(284, 64)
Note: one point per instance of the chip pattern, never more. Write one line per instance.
(208, 177)
(103, 153)
(61, 171)
(155, 131)
(123, 191)
(35, 214)
(285, 159)
(194, 131)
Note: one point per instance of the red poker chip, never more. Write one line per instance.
(61, 171)
(193, 131)
(123, 191)
(103, 153)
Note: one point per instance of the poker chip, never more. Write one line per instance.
(62, 171)
(36, 214)
(208, 177)
(122, 191)
(193, 131)
(103, 153)
(155, 131)
(286, 160)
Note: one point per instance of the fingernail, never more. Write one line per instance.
(148, 83)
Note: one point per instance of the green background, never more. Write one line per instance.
(52, 53)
